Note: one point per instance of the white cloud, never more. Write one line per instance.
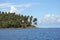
(51, 19)
(4, 5)
(39, 21)
(13, 7)
(19, 5)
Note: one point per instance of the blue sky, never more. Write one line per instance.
(47, 11)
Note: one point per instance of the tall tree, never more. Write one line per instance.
(31, 19)
(35, 21)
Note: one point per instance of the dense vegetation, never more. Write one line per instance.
(13, 20)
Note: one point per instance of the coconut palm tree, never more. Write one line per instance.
(35, 21)
(31, 18)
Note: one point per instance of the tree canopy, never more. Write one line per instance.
(14, 20)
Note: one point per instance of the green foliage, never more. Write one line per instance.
(13, 20)
(35, 21)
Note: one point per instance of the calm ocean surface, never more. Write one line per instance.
(30, 34)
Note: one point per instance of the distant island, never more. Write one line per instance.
(14, 20)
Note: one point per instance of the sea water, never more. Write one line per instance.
(30, 34)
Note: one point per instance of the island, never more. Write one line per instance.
(15, 20)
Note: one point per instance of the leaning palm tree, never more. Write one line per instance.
(31, 19)
(35, 21)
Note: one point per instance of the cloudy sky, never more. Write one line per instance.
(47, 11)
